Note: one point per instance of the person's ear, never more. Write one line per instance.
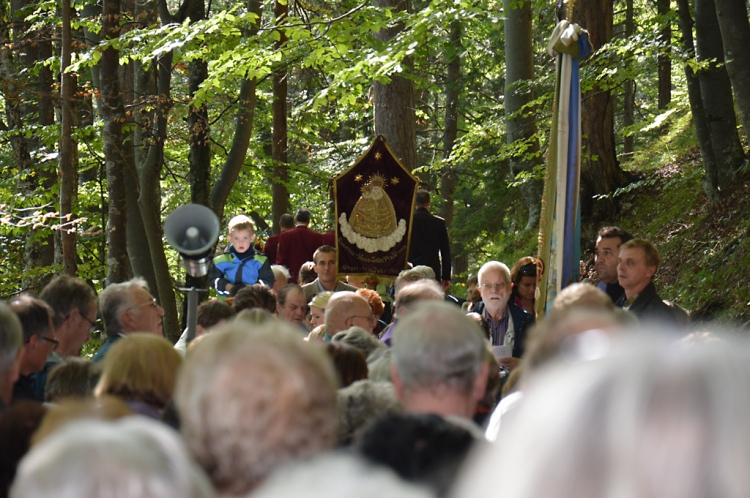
(127, 320)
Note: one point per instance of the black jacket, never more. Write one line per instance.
(522, 320)
(429, 238)
(650, 309)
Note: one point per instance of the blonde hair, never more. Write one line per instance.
(240, 222)
(140, 367)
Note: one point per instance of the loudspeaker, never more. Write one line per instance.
(193, 230)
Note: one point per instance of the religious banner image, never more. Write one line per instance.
(374, 207)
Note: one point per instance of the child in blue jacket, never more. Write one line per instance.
(240, 264)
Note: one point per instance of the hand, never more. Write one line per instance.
(228, 287)
(509, 363)
(445, 284)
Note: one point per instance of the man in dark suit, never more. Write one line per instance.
(271, 249)
(297, 246)
(429, 240)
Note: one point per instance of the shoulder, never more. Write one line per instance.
(520, 316)
(342, 286)
(224, 258)
(310, 289)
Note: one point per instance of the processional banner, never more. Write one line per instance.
(374, 206)
(560, 226)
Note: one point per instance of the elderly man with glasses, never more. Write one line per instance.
(347, 309)
(126, 308)
(508, 322)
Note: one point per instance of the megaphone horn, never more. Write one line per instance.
(193, 230)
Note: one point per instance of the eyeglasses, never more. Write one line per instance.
(497, 287)
(94, 323)
(151, 303)
(368, 317)
(55, 342)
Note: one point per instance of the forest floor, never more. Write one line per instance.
(705, 247)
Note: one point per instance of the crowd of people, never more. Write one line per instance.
(299, 383)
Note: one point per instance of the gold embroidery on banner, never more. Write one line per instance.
(373, 215)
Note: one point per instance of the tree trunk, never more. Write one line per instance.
(520, 121)
(600, 172)
(393, 109)
(68, 161)
(113, 114)
(665, 60)
(735, 32)
(452, 87)
(142, 95)
(716, 92)
(280, 193)
(700, 122)
(628, 118)
(149, 199)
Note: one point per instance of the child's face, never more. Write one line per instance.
(241, 239)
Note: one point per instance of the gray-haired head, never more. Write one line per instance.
(644, 418)
(131, 458)
(253, 397)
(115, 299)
(360, 339)
(360, 404)
(493, 266)
(437, 345)
(338, 475)
(423, 290)
(280, 271)
(425, 270)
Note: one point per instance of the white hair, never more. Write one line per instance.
(281, 270)
(114, 299)
(131, 458)
(646, 419)
(437, 344)
(493, 266)
(337, 476)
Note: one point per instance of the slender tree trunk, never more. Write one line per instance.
(665, 60)
(280, 193)
(113, 114)
(394, 110)
(141, 97)
(700, 122)
(149, 199)
(520, 121)
(600, 172)
(629, 86)
(735, 32)
(452, 91)
(68, 162)
(716, 92)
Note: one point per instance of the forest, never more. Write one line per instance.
(115, 113)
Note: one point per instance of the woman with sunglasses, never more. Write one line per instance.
(523, 278)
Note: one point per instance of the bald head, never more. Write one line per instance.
(347, 309)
